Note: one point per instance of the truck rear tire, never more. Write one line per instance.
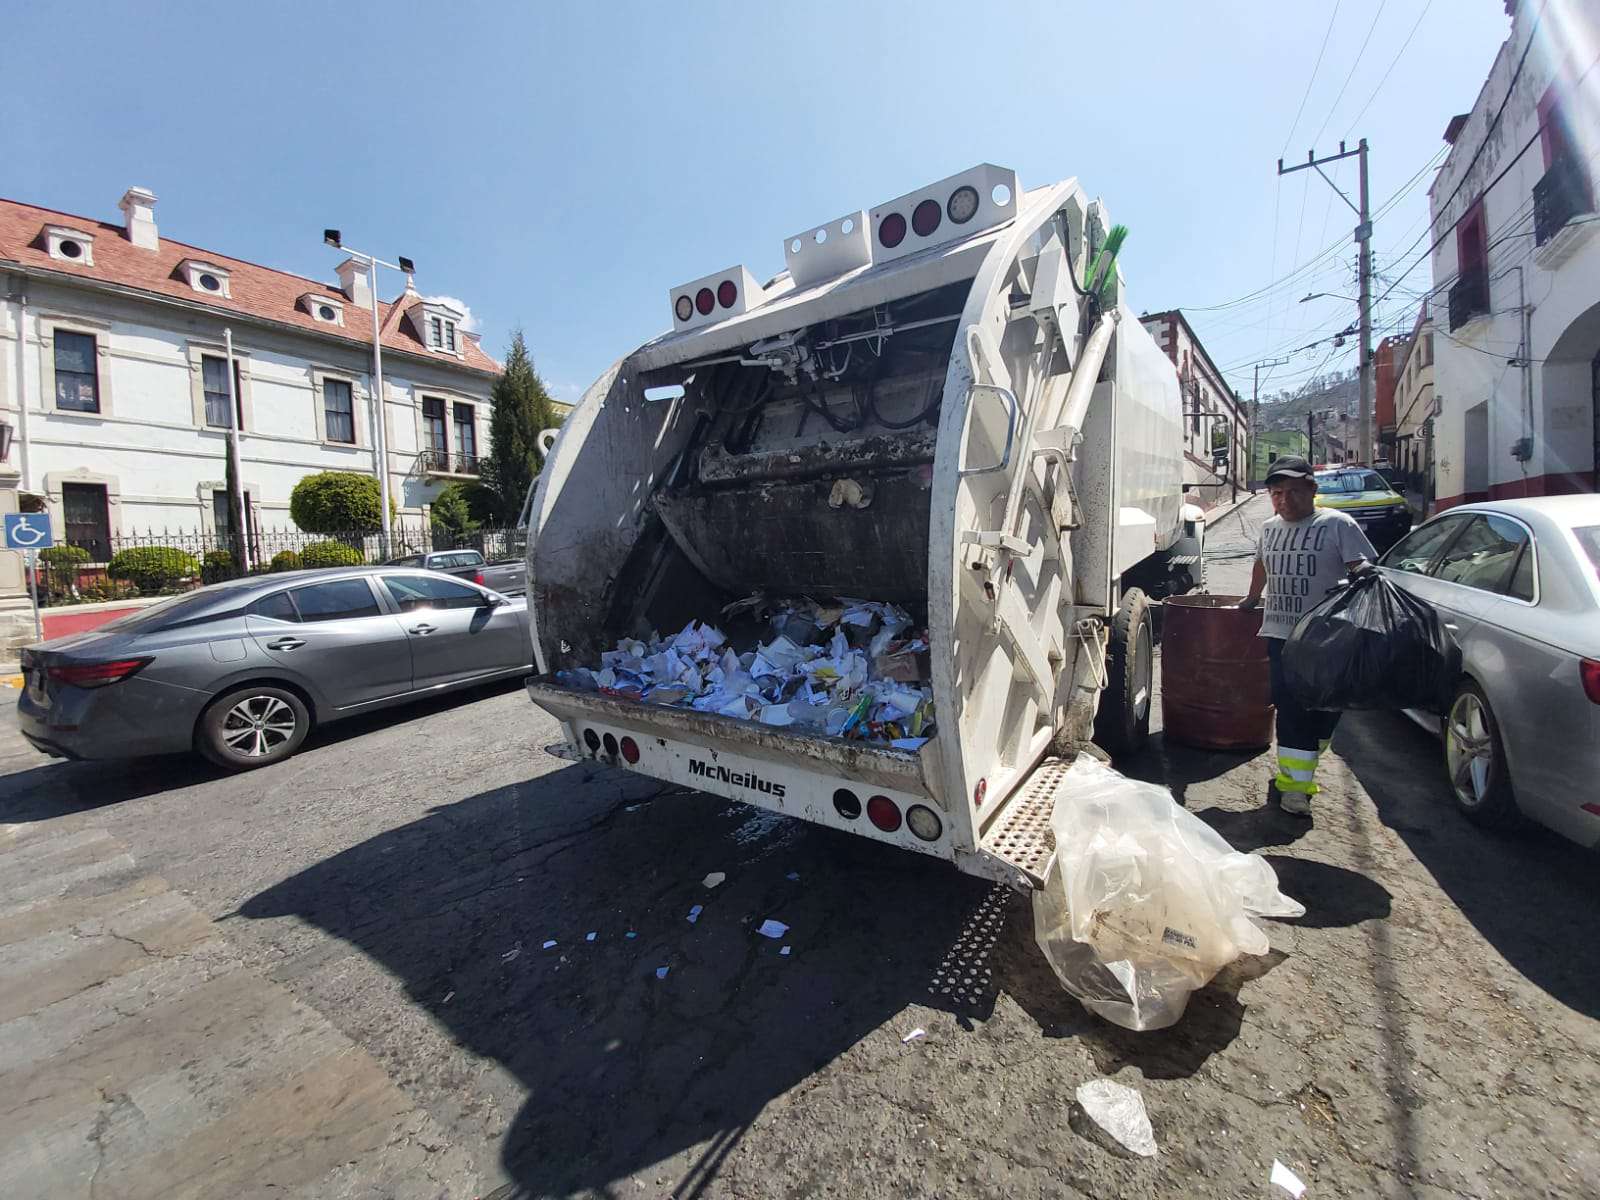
(1122, 724)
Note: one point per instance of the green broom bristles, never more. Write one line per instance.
(1100, 272)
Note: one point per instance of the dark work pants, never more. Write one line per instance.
(1303, 733)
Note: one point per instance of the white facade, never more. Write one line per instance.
(152, 443)
(1513, 210)
(1414, 403)
(1211, 420)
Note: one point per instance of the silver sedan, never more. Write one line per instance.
(242, 670)
(1518, 583)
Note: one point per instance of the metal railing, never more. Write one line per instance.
(442, 462)
(1469, 297)
(1565, 191)
(169, 561)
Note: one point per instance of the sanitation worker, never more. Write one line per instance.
(1304, 552)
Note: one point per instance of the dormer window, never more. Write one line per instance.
(324, 310)
(70, 245)
(206, 278)
(438, 325)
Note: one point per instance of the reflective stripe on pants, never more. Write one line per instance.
(1297, 770)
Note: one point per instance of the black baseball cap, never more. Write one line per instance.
(1290, 466)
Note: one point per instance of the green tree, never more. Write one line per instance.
(337, 502)
(451, 514)
(520, 409)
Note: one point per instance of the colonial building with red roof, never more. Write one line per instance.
(114, 381)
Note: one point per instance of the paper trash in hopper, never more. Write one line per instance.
(851, 669)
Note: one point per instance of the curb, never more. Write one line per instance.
(1227, 510)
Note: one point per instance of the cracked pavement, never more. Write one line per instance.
(300, 982)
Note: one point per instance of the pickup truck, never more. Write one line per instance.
(507, 578)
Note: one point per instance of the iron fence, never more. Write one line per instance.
(168, 561)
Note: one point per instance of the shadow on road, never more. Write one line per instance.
(1531, 894)
(623, 1069)
(58, 787)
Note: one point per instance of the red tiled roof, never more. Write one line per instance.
(255, 291)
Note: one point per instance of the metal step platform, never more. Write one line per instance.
(1021, 836)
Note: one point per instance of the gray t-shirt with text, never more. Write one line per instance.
(1304, 559)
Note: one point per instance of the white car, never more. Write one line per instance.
(1518, 583)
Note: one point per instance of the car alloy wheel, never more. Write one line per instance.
(1475, 759)
(258, 725)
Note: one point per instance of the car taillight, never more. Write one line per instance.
(727, 293)
(705, 301)
(477, 578)
(1589, 670)
(630, 750)
(93, 675)
(925, 217)
(884, 813)
(892, 230)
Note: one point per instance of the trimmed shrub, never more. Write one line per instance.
(286, 560)
(217, 566)
(63, 556)
(330, 554)
(153, 568)
(337, 502)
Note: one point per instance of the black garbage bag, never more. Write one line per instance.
(1372, 645)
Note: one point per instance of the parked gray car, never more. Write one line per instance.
(1518, 583)
(507, 578)
(242, 670)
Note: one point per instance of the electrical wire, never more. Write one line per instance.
(1376, 17)
(1389, 70)
(1311, 79)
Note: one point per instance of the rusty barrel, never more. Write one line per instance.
(1216, 690)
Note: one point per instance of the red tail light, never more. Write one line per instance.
(1589, 670)
(630, 750)
(727, 293)
(926, 217)
(477, 578)
(93, 675)
(705, 301)
(884, 813)
(892, 230)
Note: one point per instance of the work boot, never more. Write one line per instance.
(1296, 804)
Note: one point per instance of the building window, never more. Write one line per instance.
(338, 410)
(466, 432)
(435, 332)
(434, 437)
(219, 404)
(450, 336)
(88, 518)
(77, 384)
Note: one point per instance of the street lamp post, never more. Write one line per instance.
(380, 435)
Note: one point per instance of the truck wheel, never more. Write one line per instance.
(1123, 723)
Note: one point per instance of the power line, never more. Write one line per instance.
(1376, 17)
(1399, 54)
(1289, 137)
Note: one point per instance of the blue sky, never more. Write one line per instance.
(560, 167)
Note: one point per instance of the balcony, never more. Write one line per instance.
(1469, 297)
(442, 462)
(1563, 196)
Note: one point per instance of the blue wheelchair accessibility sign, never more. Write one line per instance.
(28, 531)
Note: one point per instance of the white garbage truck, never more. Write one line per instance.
(945, 404)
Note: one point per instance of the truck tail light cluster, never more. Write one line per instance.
(715, 298)
(1589, 671)
(885, 814)
(948, 210)
(612, 746)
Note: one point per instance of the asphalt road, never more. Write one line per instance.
(331, 978)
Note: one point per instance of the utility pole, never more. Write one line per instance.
(1363, 235)
(1255, 413)
(1311, 437)
(237, 517)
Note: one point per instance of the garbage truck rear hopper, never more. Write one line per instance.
(943, 403)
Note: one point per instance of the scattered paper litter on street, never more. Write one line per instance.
(631, 933)
(590, 936)
(550, 943)
(772, 929)
(448, 996)
(854, 669)
(713, 880)
(1287, 1179)
(511, 953)
(694, 913)
(1120, 1112)
(914, 1035)
(793, 876)
(661, 972)
(784, 952)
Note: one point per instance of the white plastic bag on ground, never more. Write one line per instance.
(1145, 901)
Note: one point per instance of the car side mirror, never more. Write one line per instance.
(495, 600)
